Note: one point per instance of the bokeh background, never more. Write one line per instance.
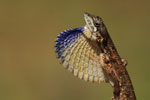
(29, 69)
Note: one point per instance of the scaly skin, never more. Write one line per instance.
(89, 53)
(115, 67)
(110, 60)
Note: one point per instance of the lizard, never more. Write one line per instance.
(89, 53)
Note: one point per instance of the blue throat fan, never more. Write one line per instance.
(80, 55)
(79, 51)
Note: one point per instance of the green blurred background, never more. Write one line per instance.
(29, 69)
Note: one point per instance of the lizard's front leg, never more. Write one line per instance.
(124, 62)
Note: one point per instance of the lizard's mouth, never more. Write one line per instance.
(88, 15)
(89, 22)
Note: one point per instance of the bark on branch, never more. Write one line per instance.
(115, 66)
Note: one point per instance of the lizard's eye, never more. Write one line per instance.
(97, 24)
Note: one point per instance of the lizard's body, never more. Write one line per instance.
(90, 54)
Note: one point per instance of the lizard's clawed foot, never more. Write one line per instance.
(124, 62)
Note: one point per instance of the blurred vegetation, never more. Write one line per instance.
(29, 69)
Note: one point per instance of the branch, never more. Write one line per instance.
(115, 67)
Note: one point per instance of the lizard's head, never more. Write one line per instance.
(95, 25)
